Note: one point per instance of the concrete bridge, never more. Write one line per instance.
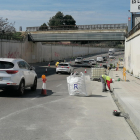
(111, 33)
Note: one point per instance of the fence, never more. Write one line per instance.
(135, 29)
(79, 27)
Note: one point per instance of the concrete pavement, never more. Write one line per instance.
(128, 95)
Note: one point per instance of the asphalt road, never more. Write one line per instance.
(59, 116)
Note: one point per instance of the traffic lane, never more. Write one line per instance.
(67, 117)
(10, 102)
(32, 117)
(56, 119)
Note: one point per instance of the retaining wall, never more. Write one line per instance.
(132, 54)
(36, 52)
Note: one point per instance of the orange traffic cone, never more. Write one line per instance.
(49, 65)
(85, 70)
(44, 91)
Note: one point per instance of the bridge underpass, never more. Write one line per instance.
(102, 36)
(81, 34)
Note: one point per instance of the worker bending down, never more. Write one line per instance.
(106, 80)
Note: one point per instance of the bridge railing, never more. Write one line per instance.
(135, 29)
(79, 27)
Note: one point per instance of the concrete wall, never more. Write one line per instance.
(132, 54)
(36, 52)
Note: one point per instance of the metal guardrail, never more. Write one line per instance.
(135, 29)
(79, 27)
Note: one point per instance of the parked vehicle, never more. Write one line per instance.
(79, 60)
(92, 62)
(64, 68)
(17, 74)
(99, 59)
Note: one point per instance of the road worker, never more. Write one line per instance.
(106, 80)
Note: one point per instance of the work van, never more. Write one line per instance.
(99, 59)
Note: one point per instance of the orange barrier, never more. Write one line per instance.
(124, 73)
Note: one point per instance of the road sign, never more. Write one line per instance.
(134, 6)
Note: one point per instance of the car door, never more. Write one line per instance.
(31, 73)
(25, 72)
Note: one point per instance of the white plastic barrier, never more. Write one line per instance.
(76, 84)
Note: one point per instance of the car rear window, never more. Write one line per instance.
(6, 65)
(63, 64)
(78, 58)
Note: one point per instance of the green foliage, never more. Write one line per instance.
(43, 27)
(111, 65)
(60, 20)
(16, 36)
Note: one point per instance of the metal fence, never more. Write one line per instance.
(135, 29)
(79, 27)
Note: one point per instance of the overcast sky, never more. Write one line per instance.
(29, 13)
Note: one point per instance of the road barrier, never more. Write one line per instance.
(44, 91)
(124, 73)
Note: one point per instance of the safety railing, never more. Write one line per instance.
(78, 27)
(135, 29)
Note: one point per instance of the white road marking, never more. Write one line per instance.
(34, 98)
(58, 85)
(26, 109)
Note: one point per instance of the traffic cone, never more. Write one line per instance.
(44, 91)
(49, 65)
(46, 70)
(85, 70)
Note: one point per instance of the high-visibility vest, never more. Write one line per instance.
(105, 77)
(56, 64)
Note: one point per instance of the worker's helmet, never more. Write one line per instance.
(113, 80)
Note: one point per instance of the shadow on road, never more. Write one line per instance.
(96, 96)
(28, 94)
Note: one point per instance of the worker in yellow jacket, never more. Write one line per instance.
(106, 80)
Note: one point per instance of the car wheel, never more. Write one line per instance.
(21, 88)
(33, 88)
(56, 72)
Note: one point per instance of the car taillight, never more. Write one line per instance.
(67, 67)
(11, 71)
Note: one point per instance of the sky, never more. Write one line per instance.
(31, 13)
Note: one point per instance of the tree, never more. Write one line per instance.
(60, 20)
(69, 20)
(43, 27)
(6, 27)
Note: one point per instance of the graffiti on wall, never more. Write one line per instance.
(56, 54)
(12, 54)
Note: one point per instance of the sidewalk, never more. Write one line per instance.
(128, 95)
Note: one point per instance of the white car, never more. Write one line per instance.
(111, 56)
(17, 74)
(79, 60)
(92, 62)
(64, 68)
(100, 59)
